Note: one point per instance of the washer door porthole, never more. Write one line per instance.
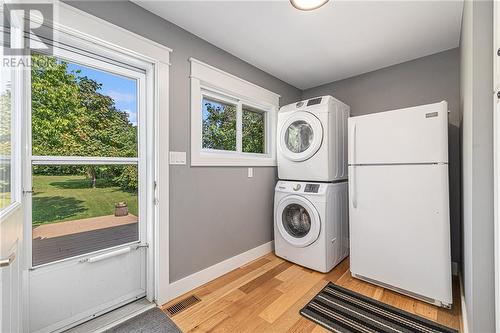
(298, 221)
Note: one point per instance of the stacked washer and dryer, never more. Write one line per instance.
(311, 196)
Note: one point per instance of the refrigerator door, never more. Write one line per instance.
(399, 227)
(413, 135)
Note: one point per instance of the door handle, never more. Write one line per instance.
(106, 255)
(7, 261)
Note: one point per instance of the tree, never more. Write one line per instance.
(219, 126)
(70, 117)
(253, 132)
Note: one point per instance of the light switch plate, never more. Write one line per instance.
(250, 172)
(177, 157)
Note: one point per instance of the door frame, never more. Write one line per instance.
(496, 156)
(70, 23)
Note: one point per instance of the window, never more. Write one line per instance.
(254, 130)
(233, 121)
(219, 125)
(9, 138)
(5, 141)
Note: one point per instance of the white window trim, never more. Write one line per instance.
(209, 81)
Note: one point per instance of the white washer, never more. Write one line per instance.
(312, 140)
(311, 223)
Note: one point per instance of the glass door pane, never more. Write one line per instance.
(5, 137)
(79, 209)
(80, 112)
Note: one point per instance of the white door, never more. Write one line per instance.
(399, 227)
(413, 135)
(300, 136)
(298, 221)
(88, 166)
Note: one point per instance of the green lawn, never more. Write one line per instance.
(4, 200)
(65, 198)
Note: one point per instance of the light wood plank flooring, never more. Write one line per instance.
(267, 294)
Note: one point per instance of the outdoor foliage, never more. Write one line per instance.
(68, 198)
(219, 128)
(253, 132)
(70, 117)
(5, 150)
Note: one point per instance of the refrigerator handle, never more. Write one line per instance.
(353, 180)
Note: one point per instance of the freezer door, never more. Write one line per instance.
(399, 227)
(412, 135)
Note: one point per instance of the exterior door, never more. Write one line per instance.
(298, 221)
(301, 136)
(88, 169)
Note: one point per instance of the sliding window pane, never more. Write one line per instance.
(81, 111)
(5, 138)
(253, 126)
(219, 125)
(79, 209)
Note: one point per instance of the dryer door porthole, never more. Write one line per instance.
(298, 221)
(301, 136)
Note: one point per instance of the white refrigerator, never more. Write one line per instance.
(398, 201)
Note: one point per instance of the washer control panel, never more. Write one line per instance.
(311, 188)
(300, 187)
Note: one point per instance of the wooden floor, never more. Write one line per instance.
(267, 294)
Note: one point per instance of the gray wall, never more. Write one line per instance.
(477, 141)
(425, 80)
(216, 213)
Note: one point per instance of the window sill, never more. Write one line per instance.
(222, 159)
(9, 210)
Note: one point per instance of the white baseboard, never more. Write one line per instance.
(465, 323)
(208, 274)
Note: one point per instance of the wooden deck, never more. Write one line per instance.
(63, 240)
(267, 294)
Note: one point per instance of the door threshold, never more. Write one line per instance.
(113, 318)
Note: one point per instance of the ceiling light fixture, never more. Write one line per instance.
(308, 4)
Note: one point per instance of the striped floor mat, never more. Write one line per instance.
(341, 310)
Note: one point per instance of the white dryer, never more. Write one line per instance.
(311, 223)
(312, 140)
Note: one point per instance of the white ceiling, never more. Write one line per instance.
(306, 49)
